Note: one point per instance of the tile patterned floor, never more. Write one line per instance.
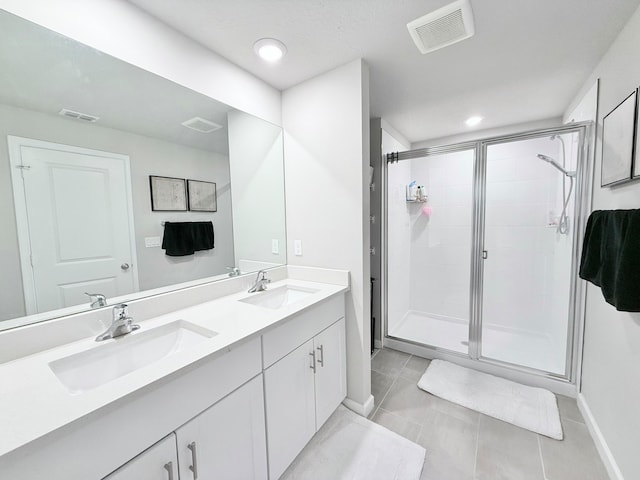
(463, 444)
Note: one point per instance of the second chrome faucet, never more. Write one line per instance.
(261, 282)
(122, 323)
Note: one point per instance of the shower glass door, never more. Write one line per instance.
(527, 251)
(429, 238)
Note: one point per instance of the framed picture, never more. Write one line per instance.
(168, 194)
(202, 196)
(618, 130)
(636, 160)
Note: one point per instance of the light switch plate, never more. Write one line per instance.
(151, 242)
(297, 247)
(275, 249)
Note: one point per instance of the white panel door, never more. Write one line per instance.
(79, 221)
(159, 462)
(290, 406)
(228, 440)
(331, 374)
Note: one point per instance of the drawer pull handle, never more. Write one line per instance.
(313, 361)
(194, 460)
(321, 359)
(169, 468)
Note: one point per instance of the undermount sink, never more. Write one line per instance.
(89, 369)
(279, 297)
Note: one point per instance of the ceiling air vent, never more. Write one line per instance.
(444, 27)
(85, 117)
(201, 125)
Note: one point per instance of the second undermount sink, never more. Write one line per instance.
(89, 369)
(279, 297)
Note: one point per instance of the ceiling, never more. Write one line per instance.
(46, 72)
(526, 61)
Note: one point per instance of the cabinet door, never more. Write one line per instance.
(290, 408)
(159, 462)
(331, 374)
(228, 439)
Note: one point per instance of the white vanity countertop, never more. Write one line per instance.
(33, 401)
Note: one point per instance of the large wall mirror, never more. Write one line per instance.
(86, 142)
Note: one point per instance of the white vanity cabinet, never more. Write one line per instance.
(159, 462)
(304, 386)
(243, 412)
(290, 405)
(228, 440)
(330, 376)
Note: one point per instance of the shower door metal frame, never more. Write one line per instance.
(582, 203)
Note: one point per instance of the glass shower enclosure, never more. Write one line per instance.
(481, 249)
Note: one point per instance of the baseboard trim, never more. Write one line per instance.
(601, 444)
(363, 409)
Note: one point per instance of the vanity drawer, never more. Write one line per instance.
(288, 336)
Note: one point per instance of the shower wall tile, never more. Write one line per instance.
(517, 192)
(399, 239)
(441, 245)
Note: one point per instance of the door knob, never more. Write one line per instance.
(125, 266)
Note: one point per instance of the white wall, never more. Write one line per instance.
(258, 189)
(122, 30)
(611, 357)
(441, 244)
(148, 156)
(326, 150)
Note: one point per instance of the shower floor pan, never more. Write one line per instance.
(518, 347)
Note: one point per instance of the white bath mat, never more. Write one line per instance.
(351, 447)
(532, 408)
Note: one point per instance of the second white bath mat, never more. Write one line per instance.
(350, 447)
(532, 408)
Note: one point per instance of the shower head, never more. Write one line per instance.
(556, 164)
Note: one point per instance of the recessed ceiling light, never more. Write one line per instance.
(473, 121)
(269, 49)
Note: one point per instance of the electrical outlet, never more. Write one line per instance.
(150, 242)
(275, 249)
(297, 247)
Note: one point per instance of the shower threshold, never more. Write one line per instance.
(528, 349)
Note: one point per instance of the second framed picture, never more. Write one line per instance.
(202, 196)
(636, 160)
(618, 142)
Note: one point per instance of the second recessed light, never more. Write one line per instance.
(473, 121)
(270, 49)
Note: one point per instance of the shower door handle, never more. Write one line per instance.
(485, 254)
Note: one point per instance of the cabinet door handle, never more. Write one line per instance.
(313, 361)
(169, 468)
(194, 460)
(321, 359)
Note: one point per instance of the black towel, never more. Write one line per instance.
(185, 238)
(202, 235)
(611, 256)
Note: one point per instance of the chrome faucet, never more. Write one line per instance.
(261, 282)
(122, 323)
(233, 271)
(97, 300)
